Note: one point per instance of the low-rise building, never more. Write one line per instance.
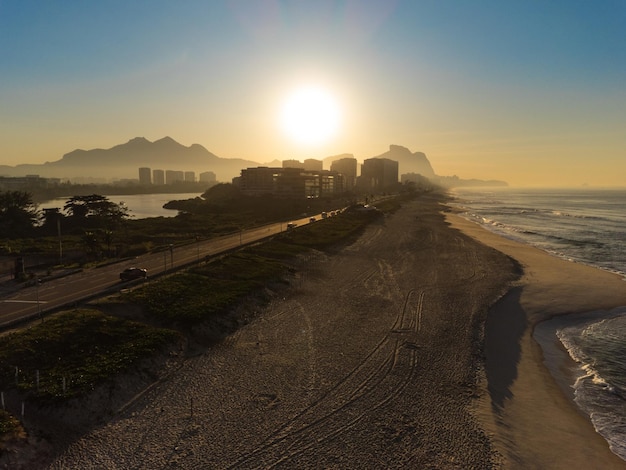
(21, 183)
(289, 182)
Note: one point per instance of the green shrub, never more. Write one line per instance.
(9, 425)
(83, 347)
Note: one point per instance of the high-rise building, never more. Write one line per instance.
(378, 173)
(190, 176)
(158, 176)
(312, 164)
(347, 167)
(207, 177)
(145, 176)
(172, 176)
(293, 164)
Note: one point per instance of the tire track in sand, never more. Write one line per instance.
(380, 377)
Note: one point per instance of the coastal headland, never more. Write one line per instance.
(409, 348)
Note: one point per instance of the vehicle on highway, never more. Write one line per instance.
(130, 274)
(312, 219)
(291, 225)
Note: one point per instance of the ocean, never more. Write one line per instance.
(584, 226)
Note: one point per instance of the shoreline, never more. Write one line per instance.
(533, 421)
(567, 371)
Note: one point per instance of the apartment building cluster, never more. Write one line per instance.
(148, 176)
(309, 179)
(20, 183)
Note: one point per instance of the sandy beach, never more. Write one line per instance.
(382, 354)
(536, 424)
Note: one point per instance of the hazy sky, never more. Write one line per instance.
(529, 91)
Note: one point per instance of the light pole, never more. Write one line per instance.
(38, 304)
(172, 254)
(60, 239)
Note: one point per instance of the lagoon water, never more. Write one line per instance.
(584, 226)
(141, 206)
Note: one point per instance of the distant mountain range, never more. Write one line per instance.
(123, 161)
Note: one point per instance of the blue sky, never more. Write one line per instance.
(531, 92)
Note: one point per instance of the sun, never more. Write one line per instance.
(310, 115)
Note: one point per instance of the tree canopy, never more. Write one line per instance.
(18, 214)
(95, 206)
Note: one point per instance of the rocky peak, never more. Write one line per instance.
(399, 149)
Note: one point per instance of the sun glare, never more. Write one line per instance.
(310, 115)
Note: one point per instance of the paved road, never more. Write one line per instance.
(34, 301)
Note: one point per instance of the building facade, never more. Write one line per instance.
(312, 164)
(173, 176)
(378, 174)
(293, 164)
(347, 167)
(145, 176)
(289, 182)
(207, 177)
(158, 177)
(20, 183)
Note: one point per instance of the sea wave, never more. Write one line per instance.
(595, 345)
(562, 224)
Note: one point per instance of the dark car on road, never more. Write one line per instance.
(130, 274)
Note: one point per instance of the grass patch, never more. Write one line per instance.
(278, 249)
(82, 348)
(9, 425)
(329, 232)
(203, 292)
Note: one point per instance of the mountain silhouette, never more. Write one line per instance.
(123, 161)
(409, 162)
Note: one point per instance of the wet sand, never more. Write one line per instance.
(535, 422)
